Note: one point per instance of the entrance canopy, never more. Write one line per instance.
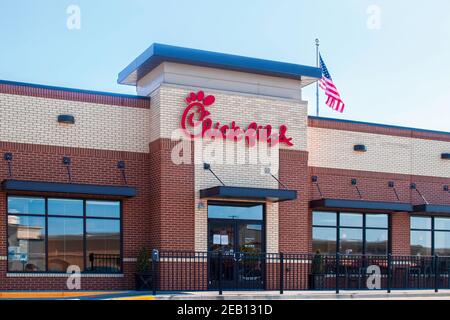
(253, 194)
(340, 204)
(432, 208)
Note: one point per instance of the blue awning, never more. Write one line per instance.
(362, 205)
(254, 194)
(73, 188)
(433, 208)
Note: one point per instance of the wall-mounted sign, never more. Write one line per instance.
(196, 122)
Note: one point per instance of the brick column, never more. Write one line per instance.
(172, 199)
(400, 233)
(294, 217)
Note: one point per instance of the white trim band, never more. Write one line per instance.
(61, 275)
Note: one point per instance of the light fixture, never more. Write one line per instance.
(8, 156)
(360, 148)
(200, 205)
(121, 165)
(67, 161)
(66, 119)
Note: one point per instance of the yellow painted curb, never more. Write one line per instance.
(44, 295)
(136, 298)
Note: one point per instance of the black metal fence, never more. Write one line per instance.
(104, 263)
(200, 271)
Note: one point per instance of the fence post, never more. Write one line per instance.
(389, 267)
(337, 272)
(436, 273)
(155, 256)
(281, 273)
(220, 273)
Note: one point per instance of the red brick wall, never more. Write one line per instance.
(400, 234)
(34, 162)
(172, 200)
(336, 183)
(294, 217)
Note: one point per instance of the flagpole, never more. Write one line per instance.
(317, 84)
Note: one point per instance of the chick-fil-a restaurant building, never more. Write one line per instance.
(215, 164)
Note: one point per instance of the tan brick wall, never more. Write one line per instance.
(243, 108)
(329, 148)
(27, 119)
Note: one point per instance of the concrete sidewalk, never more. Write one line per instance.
(307, 295)
(234, 295)
(295, 295)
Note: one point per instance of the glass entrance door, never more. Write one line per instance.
(236, 232)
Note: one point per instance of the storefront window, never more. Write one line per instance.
(89, 239)
(26, 243)
(352, 233)
(103, 242)
(324, 240)
(421, 243)
(430, 235)
(65, 243)
(236, 212)
(103, 209)
(25, 205)
(351, 241)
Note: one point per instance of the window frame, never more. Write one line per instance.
(82, 217)
(432, 230)
(338, 227)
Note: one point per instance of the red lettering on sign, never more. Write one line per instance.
(196, 122)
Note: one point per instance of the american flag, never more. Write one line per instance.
(334, 100)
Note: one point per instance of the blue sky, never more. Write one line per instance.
(398, 74)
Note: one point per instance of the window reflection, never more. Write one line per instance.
(103, 209)
(324, 240)
(324, 219)
(65, 207)
(26, 244)
(253, 212)
(421, 243)
(351, 229)
(351, 220)
(31, 246)
(65, 244)
(376, 242)
(26, 205)
(351, 241)
(103, 243)
(442, 243)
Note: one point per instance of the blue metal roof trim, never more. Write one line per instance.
(102, 93)
(159, 53)
(388, 126)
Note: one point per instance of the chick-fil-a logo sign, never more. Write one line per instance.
(196, 114)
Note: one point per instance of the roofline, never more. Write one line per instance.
(74, 90)
(379, 125)
(158, 53)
